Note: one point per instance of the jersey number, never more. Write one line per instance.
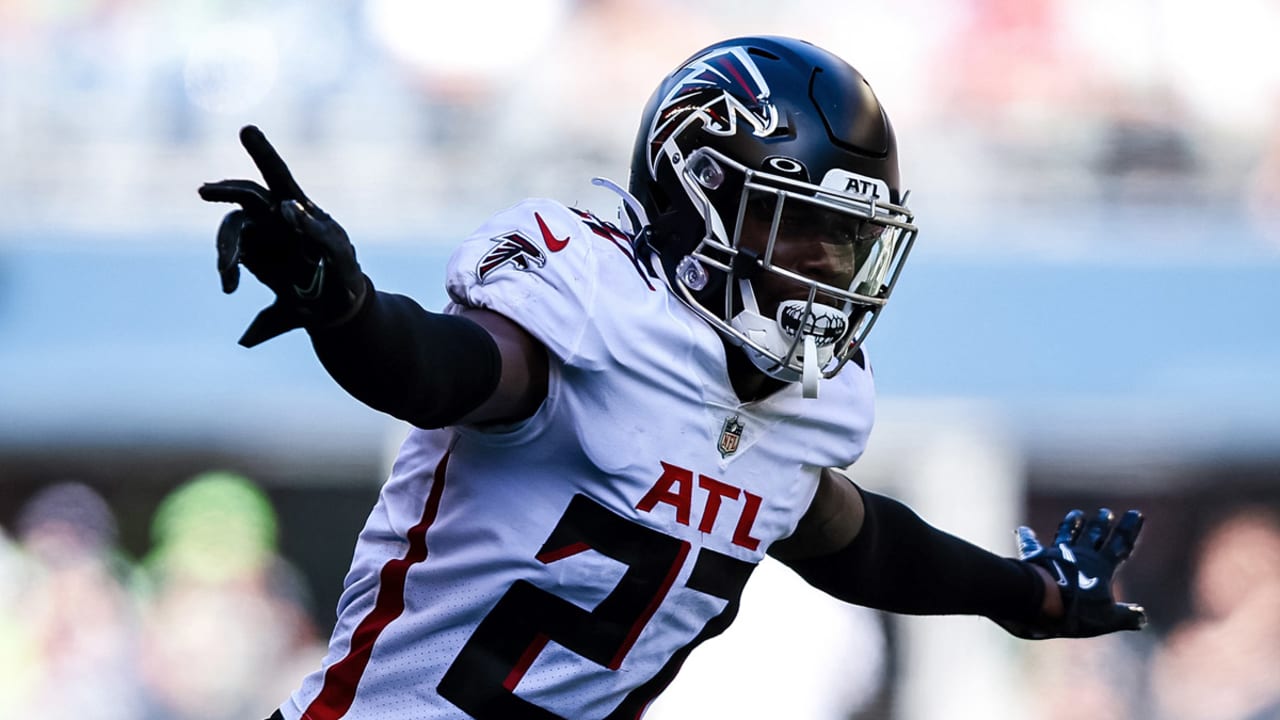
(482, 680)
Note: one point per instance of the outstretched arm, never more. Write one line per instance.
(871, 550)
(434, 370)
(426, 368)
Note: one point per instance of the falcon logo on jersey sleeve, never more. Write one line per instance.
(512, 249)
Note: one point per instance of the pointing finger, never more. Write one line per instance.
(272, 167)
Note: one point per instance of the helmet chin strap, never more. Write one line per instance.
(809, 381)
(768, 333)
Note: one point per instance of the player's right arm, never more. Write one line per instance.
(426, 368)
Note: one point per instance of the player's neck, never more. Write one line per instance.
(749, 384)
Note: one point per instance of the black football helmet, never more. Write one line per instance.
(778, 132)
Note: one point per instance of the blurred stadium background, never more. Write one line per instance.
(1089, 319)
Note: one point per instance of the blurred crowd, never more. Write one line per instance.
(118, 108)
(212, 623)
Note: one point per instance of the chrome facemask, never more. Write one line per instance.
(805, 339)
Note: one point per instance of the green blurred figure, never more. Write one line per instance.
(226, 629)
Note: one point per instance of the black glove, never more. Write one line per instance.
(1083, 558)
(289, 244)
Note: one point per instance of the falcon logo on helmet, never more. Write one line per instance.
(716, 88)
(512, 249)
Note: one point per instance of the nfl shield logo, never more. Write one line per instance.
(730, 436)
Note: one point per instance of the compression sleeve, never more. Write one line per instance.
(425, 368)
(900, 563)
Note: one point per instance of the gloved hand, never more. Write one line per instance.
(289, 244)
(1083, 559)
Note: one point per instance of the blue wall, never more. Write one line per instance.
(122, 341)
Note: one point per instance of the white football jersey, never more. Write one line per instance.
(565, 566)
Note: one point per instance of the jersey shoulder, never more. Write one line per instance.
(557, 271)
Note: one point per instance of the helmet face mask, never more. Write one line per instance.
(798, 261)
(792, 269)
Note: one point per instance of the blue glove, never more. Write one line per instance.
(1083, 559)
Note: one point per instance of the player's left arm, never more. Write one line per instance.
(871, 550)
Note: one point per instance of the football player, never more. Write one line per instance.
(614, 423)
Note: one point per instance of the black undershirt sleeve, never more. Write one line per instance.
(901, 564)
(425, 368)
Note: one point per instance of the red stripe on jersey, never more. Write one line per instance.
(654, 602)
(531, 653)
(559, 554)
(341, 679)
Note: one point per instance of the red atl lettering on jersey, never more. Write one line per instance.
(675, 488)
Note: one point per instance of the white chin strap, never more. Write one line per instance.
(809, 380)
(771, 335)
